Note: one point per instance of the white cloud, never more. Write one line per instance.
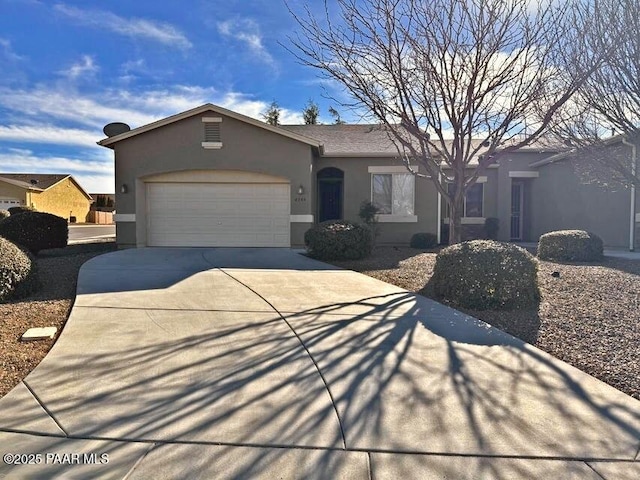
(133, 108)
(160, 32)
(247, 31)
(7, 50)
(71, 106)
(48, 134)
(86, 66)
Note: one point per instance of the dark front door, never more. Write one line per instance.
(330, 192)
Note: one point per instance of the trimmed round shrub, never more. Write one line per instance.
(338, 240)
(35, 231)
(21, 209)
(424, 241)
(4, 214)
(570, 246)
(17, 271)
(486, 275)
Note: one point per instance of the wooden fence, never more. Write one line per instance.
(101, 218)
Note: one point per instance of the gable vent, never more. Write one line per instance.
(212, 137)
(212, 132)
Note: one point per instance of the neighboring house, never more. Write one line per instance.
(213, 177)
(570, 195)
(60, 195)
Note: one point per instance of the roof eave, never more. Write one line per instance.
(361, 154)
(75, 183)
(19, 184)
(207, 107)
(564, 155)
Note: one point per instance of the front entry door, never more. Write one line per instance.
(330, 194)
(330, 199)
(517, 199)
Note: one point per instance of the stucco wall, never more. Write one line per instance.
(562, 201)
(357, 188)
(178, 147)
(63, 199)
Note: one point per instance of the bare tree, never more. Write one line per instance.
(458, 84)
(272, 114)
(608, 102)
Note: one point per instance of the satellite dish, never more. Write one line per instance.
(33, 181)
(115, 128)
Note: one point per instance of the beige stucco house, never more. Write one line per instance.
(213, 177)
(60, 195)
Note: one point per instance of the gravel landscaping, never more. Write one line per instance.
(589, 315)
(49, 306)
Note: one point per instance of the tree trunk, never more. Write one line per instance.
(455, 219)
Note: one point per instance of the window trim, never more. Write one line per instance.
(391, 217)
(212, 145)
(470, 220)
(481, 206)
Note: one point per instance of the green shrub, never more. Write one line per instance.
(338, 240)
(368, 214)
(17, 271)
(4, 214)
(424, 241)
(21, 209)
(491, 227)
(483, 274)
(570, 246)
(35, 231)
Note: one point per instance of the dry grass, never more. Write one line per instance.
(588, 317)
(50, 306)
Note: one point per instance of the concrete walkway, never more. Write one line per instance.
(607, 252)
(261, 363)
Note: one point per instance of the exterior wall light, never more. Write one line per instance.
(124, 188)
(300, 190)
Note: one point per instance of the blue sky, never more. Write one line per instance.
(68, 68)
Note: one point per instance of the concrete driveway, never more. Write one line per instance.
(261, 363)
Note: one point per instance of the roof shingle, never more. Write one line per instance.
(34, 180)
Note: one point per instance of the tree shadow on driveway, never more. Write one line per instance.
(390, 372)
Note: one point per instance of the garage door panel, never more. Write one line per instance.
(213, 214)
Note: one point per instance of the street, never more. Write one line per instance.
(85, 233)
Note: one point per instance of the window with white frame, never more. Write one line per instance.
(393, 193)
(473, 201)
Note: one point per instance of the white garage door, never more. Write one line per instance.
(218, 215)
(7, 203)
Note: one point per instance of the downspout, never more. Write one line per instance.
(439, 216)
(632, 215)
